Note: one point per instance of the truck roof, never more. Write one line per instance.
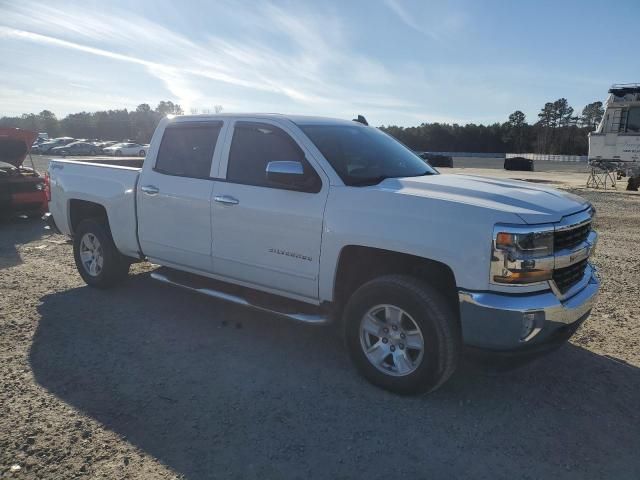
(297, 119)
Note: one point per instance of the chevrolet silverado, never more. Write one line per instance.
(332, 221)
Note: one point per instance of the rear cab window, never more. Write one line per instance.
(186, 149)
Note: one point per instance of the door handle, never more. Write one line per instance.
(226, 199)
(150, 189)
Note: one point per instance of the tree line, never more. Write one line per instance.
(137, 125)
(558, 130)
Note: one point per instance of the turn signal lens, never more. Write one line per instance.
(504, 240)
(523, 276)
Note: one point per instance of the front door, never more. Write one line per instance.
(174, 197)
(263, 233)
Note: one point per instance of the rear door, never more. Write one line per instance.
(174, 196)
(265, 234)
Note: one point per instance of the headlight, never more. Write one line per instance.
(526, 245)
(520, 256)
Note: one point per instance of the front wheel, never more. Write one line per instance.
(402, 334)
(99, 262)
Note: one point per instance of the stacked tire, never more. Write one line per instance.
(520, 164)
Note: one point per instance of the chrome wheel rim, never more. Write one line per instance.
(91, 254)
(391, 340)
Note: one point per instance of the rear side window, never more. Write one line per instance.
(187, 150)
(254, 145)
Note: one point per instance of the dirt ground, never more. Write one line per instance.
(146, 381)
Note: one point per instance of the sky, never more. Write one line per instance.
(397, 62)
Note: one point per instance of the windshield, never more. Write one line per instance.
(364, 155)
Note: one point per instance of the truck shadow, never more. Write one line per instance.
(18, 231)
(210, 389)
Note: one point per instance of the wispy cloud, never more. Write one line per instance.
(408, 19)
(315, 68)
(429, 18)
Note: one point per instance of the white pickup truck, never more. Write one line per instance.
(323, 220)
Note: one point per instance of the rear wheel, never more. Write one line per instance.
(402, 334)
(99, 262)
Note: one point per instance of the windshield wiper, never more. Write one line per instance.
(362, 182)
(424, 174)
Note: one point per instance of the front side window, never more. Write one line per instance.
(254, 145)
(187, 150)
(633, 120)
(363, 155)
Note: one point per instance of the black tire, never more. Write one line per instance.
(115, 266)
(141, 153)
(118, 153)
(518, 164)
(433, 315)
(633, 184)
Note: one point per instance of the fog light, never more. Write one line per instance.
(531, 325)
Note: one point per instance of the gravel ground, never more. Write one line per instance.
(146, 381)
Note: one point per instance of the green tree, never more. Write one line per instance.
(515, 131)
(591, 115)
(165, 108)
(143, 123)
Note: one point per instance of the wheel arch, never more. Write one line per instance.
(80, 210)
(358, 264)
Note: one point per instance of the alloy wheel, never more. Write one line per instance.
(391, 340)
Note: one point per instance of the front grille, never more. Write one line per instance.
(570, 238)
(567, 277)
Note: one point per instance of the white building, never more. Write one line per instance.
(617, 138)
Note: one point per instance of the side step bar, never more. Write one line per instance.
(215, 289)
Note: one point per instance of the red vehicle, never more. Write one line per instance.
(22, 189)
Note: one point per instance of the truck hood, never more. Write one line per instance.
(15, 144)
(532, 203)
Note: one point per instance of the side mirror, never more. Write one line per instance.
(285, 173)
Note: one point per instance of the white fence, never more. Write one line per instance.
(550, 158)
(531, 156)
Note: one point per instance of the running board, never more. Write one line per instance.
(246, 297)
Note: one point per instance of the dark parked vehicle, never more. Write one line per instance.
(76, 148)
(22, 189)
(436, 160)
(518, 163)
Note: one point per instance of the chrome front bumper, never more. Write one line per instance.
(495, 320)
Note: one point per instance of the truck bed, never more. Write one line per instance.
(103, 183)
(116, 162)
